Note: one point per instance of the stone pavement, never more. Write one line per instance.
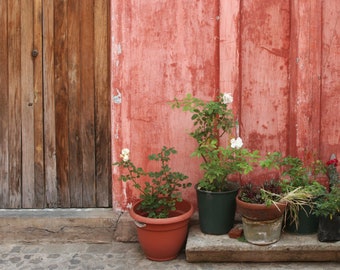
(87, 239)
(116, 255)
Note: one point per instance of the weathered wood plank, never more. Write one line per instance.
(305, 64)
(102, 104)
(39, 176)
(27, 105)
(330, 77)
(4, 108)
(76, 173)
(49, 107)
(161, 50)
(15, 119)
(61, 101)
(87, 87)
(264, 101)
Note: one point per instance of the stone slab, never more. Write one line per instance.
(202, 247)
(91, 225)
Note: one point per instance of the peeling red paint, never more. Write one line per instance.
(278, 58)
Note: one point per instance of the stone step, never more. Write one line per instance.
(201, 247)
(91, 225)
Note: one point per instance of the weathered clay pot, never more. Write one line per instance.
(260, 212)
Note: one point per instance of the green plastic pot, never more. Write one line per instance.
(217, 210)
(308, 223)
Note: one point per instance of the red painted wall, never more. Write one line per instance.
(279, 59)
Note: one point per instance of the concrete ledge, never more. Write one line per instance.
(91, 225)
(125, 229)
(210, 248)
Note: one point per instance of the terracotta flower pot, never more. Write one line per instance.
(162, 238)
(260, 212)
(262, 224)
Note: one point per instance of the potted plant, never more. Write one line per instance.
(262, 209)
(216, 194)
(300, 217)
(328, 206)
(161, 215)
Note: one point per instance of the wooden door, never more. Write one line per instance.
(54, 104)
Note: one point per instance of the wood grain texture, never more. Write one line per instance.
(39, 175)
(75, 96)
(61, 102)
(14, 102)
(55, 124)
(4, 108)
(87, 100)
(330, 74)
(102, 104)
(27, 105)
(51, 190)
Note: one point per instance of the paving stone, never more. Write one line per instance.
(54, 240)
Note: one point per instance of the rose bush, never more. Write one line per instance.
(212, 120)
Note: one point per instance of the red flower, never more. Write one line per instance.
(332, 161)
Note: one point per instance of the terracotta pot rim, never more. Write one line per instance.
(187, 213)
(260, 205)
(262, 212)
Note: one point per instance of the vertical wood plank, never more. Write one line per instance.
(39, 176)
(27, 105)
(305, 62)
(330, 98)
(229, 48)
(102, 104)
(73, 43)
(49, 106)
(264, 56)
(4, 107)
(161, 50)
(15, 119)
(87, 88)
(61, 101)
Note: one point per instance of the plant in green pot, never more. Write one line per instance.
(213, 123)
(300, 217)
(328, 206)
(161, 215)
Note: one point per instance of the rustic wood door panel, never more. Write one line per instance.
(54, 104)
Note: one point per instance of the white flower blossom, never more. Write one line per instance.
(227, 98)
(129, 206)
(125, 154)
(236, 143)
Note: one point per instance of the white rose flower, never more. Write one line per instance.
(125, 151)
(125, 154)
(129, 206)
(227, 98)
(236, 143)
